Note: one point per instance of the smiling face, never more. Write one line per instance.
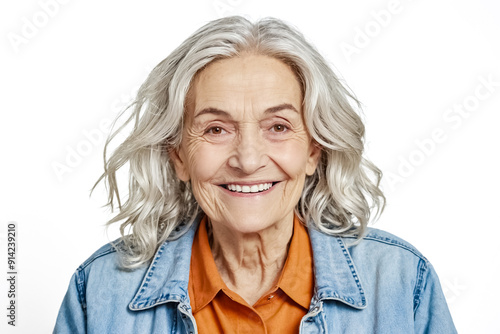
(245, 147)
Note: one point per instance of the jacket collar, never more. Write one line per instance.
(335, 273)
(167, 277)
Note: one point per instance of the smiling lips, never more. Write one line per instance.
(255, 188)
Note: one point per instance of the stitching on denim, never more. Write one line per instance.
(135, 304)
(175, 320)
(353, 271)
(96, 256)
(396, 243)
(80, 274)
(80, 286)
(147, 279)
(322, 316)
(155, 302)
(421, 269)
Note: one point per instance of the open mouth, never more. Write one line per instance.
(254, 188)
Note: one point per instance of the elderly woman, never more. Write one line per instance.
(248, 204)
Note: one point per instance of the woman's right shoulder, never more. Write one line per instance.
(106, 263)
(106, 255)
(103, 273)
(100, 288)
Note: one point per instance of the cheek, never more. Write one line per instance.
(291, 157)
(204, 160)
(205, 163)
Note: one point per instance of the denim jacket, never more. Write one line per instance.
(380, 285)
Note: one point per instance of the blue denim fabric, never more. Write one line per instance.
(381, 285)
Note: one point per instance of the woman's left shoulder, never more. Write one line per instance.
(375, 238)
(380, 248)
(391, 279)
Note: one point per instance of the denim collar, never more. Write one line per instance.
(334, 270)
(167, 277)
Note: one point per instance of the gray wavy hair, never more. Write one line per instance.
(338, 199)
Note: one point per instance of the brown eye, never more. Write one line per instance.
(279, 128)
(216, 130)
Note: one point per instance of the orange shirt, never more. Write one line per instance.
(220, 310)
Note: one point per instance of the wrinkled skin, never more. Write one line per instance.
(244, 126)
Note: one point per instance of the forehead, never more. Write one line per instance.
(245, 82)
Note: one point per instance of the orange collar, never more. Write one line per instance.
(296, 279)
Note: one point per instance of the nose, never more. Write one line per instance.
(250, 152)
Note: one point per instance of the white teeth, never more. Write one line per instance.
(249, 189)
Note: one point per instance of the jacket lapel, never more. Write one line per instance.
(167, 277)
(335, 273)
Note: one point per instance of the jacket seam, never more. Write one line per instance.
(354, 273)
(95, 257)
(135, 304)
(419, 284)
(397, 244)
(80, 285)
(80, 277)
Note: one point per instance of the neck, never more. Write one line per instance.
(251, 263)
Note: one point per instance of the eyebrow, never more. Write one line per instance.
(270, 110)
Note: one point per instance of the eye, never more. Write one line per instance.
(279, 128)
(215, 130)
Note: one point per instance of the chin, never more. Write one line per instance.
(254, 223)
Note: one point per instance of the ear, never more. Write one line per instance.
(180, 165)
(313, 159)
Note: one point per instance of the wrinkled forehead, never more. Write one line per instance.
(247, 82)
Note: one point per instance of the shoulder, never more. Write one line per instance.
(373, 242)
(106, 255)
(376, 238)
(101, 279)
(376, 250)
(380, 252)
(104, 268)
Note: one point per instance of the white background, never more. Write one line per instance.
(81, 62)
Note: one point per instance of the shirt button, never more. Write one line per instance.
(270, 297)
